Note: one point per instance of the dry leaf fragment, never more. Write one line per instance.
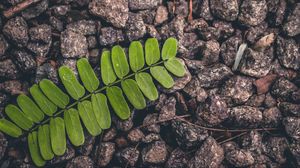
(264, 42)
(263, 84)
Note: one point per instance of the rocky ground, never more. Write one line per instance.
(216, 116)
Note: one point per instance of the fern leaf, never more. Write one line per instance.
(34, 149)
(169, 49)
(10, 128)
(152, 52)
(18, 117)
(73, 127)
(107, 71)
(136, 56)
(162, 76)
(58, 136)
(145, 83)
(44, 142)
(133, 93)
(87, 75)
(119, 61)
(30, 109)
(175, 67)
(101, 110)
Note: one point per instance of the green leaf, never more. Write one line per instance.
(18, 117)
(53, 93)
(107, 71)
(162, 76)
(30, 109)
(133, 93)
(34, 149)
(68, 78)
(175, 67)
(58, 136)
(169, 49)
(101, 110)
(88, 117)
(73, 127)
(43, 102)
(44, 142)
(118, 102)
(87, 75)
(136, 56)
(10, 128)
(145, 83)
(152, 52)
(119, 61)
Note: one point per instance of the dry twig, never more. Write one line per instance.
(19, 7)
(190, 18)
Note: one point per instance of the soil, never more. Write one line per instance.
(213, 117)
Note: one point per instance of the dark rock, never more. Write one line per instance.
(92, 42)
(256, 64)
(16, 30)
(141, 5)
(150, 121)
(39, 49)
(210, 52)
(155, 153)
(148, 16)
(275, 148)
(40, 33)
(4, 99)
(161, 15)
(272, 117)
(3, 145)
(73, 45)
(13, 87)
(152, 137)
(292, 127)
(182, 107)
(3, 47)
(135, 135)
(177, 159)
(60, 10)
(80, 162)
(110, 134)
(196, 25)
(225, 9)
(292, 25)
(246, 116)
(229, 49)
(210, 33)
(94, 56)
(188, 136)
(129, 156)
(252, 12)
(194, 90)
(113, 11)
(213, 112)
(276, 10)
(240, 158)
(124, 125)
(270, 101)
(178, 8)
(69, 154)
(87, 146)
(46, 71)
(214, 75)
(105, 153)
(210, 155)
(8, 69)
(283, 89)
(56, 23)
(175, 28)
(168, 110)
(70, 63)
(14, 2)
(254, 33)
(110, 36)
(256, 100)
(295, 150)
(35, 10)
(287, 51)
(121, 142)
(238, 89)
(289, 109)
(85, 27)
(152, 32)
(226, 29)
(135, 27)
(202, 9)
(24, 61)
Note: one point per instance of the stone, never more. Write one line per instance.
(3, 145)
(150, 120)
(8, 69)
(142, 5)
(3, 47)
(69, 154)
(283, 89)
(292, 127)
(73, 45)
(155, 153)
(161, 15)
(16, 30)
(210, 52)
(276, 11)
(168, 110)
(246, 116)
(135, 27)
(124, 125)
(225, 28)
(80, 162)
(188, 136)
(105, 153)
(129, 156)
(87, 146)
(240, 158)
(35, 10)
(85, 27)
(272, 117)
(252, 12)
(194, 90)
(24, 61)
(225, 9)
(135, 135)
(292, 26)
(177, 159)
(229, 49)
(109, 36)
(152, 137)
(289, 109)
(287, 51)
(276, 147)
(209, 155)
(113, 11)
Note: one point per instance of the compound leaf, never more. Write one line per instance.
(162, 76)
(87, 75)
(30, 109)
(101, 110)
(169, 49)
(136, 56)
(133, 93)
(118, 102)
(44, 142)
(119, 61)
(152, 52)
(145, 83)
(175, 67)
(107, 72)
(10, 128)
(34, 149)
(18, 117)
(58, 136)
(73, 127)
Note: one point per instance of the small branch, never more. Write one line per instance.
(190, 17)
(165, 120)
(232, 138)
(19, 7)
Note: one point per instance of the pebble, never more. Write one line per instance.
(194, 90)
(4, 99)
(161, 15)
(275, 148)
(150, 121)
(109, 134)
(87, 146)
(152, 137)
(85, 27)
(13, 87)
(129, 156)
(124, 125)
(292, 127)
(252, 12)
(210, 52)
(24, 61)
(283, 89)
(8, 69)
(135, 27)
(229, 49)
(48, 71)
(272, 117)
(109, 36)
(225, 9)
(246, 116)
(80, 162)
(155, 153)
(3, 47)
(36, 10)
(135, 135)
(292, 26)
(168, 110)
(142, 5)
(188, 136)
(287, 51)
(113, 11)
(209, 155)
(177, 159)
(105, 152)
(73, 45)
(240, 158)
(16, 30)
(3, 144)
(276, 11)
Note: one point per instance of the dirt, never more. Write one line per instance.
(213, 117)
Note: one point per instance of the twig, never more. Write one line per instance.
(169, 119)
(232, 138)
(136, 146)
(19, 7)
(190, 17)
